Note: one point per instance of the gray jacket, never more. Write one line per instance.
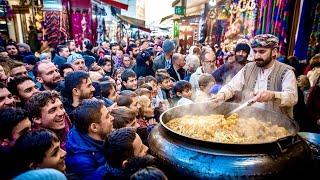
(159, 63)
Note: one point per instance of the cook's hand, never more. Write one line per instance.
(218, 97)
(263, 96)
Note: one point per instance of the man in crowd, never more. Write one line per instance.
(228, 70)
(22, 88)
(77, 62)
(47, 74)
(72, 46)
(271, 84)
(12, 50)
(114, 47)
(29, 62)
(164, 61)
(46, 111)
(78, 86)
(6, 98)
(65, 69)
(24, 50)
(61, 56)
(144, 45)
(176, 71)
(92, 122)
(208, 66)
(129, 80)
(192, 63)
(13, 123)
(106, 47)
(18, 69)
(133, 50)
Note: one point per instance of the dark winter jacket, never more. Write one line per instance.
(141, 68)
(226, 72)
(108, 172)
(173, 73)
(84, 154)
(59, 60)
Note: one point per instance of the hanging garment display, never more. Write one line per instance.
(273, 19)
(64, 25)
(52, 28)
(314, 43)
(81, 25)
(98, 23)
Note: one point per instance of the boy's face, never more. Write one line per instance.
(135, 105)
(166, 84)
(186, 93)
(54, 158)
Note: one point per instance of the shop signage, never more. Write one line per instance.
(180, 10)
(17, 9)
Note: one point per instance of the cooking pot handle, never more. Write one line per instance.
(285, 142)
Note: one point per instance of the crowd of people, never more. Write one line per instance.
(87, 114)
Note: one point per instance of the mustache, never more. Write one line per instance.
(259, 59)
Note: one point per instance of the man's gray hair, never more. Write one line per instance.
(175, 57)
(193, 60)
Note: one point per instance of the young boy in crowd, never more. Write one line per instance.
(13, 123)
(124, 117)
(206, 81)
(163, 96)
(183, 93)
(36, 150)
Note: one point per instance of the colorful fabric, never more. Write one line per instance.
(52, 29)
(273, 19)
(81, 25)
(265, 41)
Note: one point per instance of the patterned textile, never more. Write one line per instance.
(52, 28)
(313, 47)
(273, 19)
(81, 25)
(265, 40)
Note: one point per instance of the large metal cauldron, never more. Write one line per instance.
(197, 159)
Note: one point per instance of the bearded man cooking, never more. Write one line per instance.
(272, 84)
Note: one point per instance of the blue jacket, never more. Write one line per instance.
(84, 154)
(108, 172)
(59, 60)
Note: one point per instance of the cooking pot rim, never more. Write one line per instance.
(292, 135)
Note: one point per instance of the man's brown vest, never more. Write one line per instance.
(251, 71)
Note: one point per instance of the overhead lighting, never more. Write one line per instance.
(212, 2)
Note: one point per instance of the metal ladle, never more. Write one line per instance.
(245, 104)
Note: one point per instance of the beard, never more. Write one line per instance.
(209, 68)
(52, 85)
(262, 63)
(86, 95)
(240, 58)
(135, 55)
